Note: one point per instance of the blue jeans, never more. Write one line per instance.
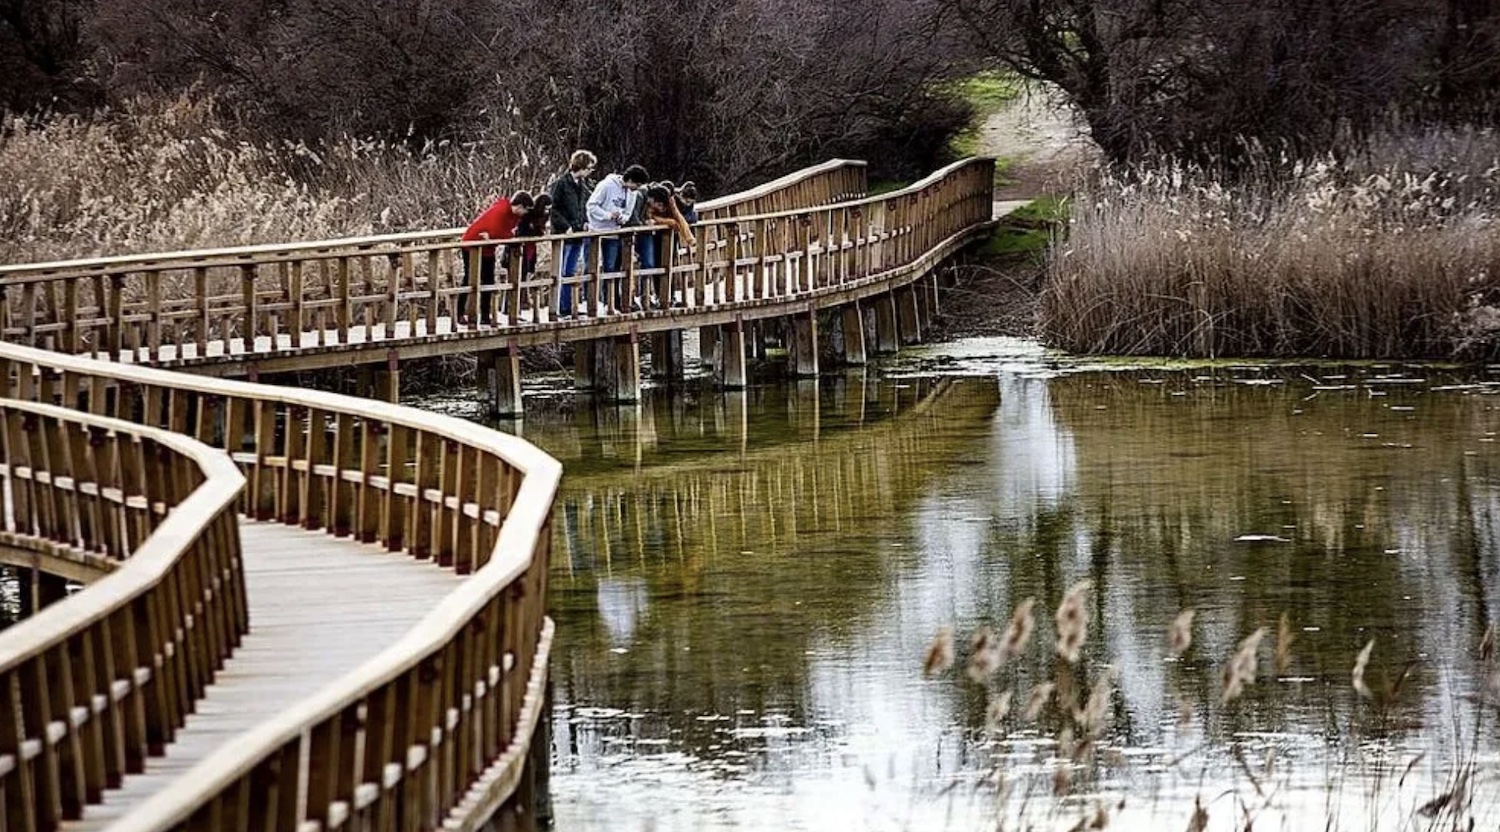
(574, 256)
(647, 247)
(609, 257)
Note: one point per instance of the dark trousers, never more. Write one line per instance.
(486, 278)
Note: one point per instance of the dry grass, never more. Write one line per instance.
(1390, 252)
(174, 174)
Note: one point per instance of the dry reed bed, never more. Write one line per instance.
(170, 175)
(1393, 251)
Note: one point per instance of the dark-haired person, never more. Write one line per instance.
(660, 211)
(687, 198)
(498, 222)
(570, 196)
(533, 225)
(608, 208)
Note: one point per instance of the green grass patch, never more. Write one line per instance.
(1030, 229)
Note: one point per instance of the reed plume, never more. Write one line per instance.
(997, 711)
(984, 655)
(939, 656)
(1090, 718)
(1072, 623)
(1180, 634)
(1360, 663)
(1284, 639)
(1240, 670)
(1487, 644)
(1038, 700)
(1018, 633)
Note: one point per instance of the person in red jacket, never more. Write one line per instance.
(498, 222)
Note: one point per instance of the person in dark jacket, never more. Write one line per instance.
(570, 194)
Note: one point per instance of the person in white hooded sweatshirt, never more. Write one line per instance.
(608, 206)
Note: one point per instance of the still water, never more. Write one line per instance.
(744, 586)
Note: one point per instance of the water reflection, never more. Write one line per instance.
(744, 585)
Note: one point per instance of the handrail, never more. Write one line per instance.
(457, 687)
(92, 685)
(341, 299)
(832, 181)
(829, 181)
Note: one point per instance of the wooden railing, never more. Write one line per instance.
(837, 180)
(142, 303)
(313, 299)
(89, 687)
(457, 697)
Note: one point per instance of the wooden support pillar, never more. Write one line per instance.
(910, 315)
(619, 371)
(886, 340)
(803, 349)
(921, 292)
(390, 379)
(708, 345)
(38, 590)
(500, 379)
(666, 355)
(853, 327)
(756, 348)
(731, 367)
(585, 368)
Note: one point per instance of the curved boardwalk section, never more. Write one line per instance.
(319, 608)
(425, 713)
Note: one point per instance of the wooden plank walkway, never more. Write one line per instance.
(319, 607)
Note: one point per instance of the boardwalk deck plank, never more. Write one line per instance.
(319, 607)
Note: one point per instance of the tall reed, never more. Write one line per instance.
(177, 174)
(1389, 251)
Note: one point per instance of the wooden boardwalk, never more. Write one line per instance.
(226, 673)
(319, 607)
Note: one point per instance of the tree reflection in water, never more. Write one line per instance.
(744, 585)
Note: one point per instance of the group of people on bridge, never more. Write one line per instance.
(624, 202)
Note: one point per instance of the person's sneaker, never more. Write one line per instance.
(635, 304)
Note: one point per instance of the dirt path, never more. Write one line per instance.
(1042, 142)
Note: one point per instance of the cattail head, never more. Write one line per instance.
(1072, 623)
(1284, 639)
(1018, 633)
(1038, 700)
(984, 655)
(1240, 670)
(1360, 663)
(939, 656)
(1180, 634)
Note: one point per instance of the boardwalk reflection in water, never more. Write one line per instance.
(743, 592)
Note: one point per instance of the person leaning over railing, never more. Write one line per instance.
(498, 222)
(608, 207)
(570, 196)
(661, 211)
